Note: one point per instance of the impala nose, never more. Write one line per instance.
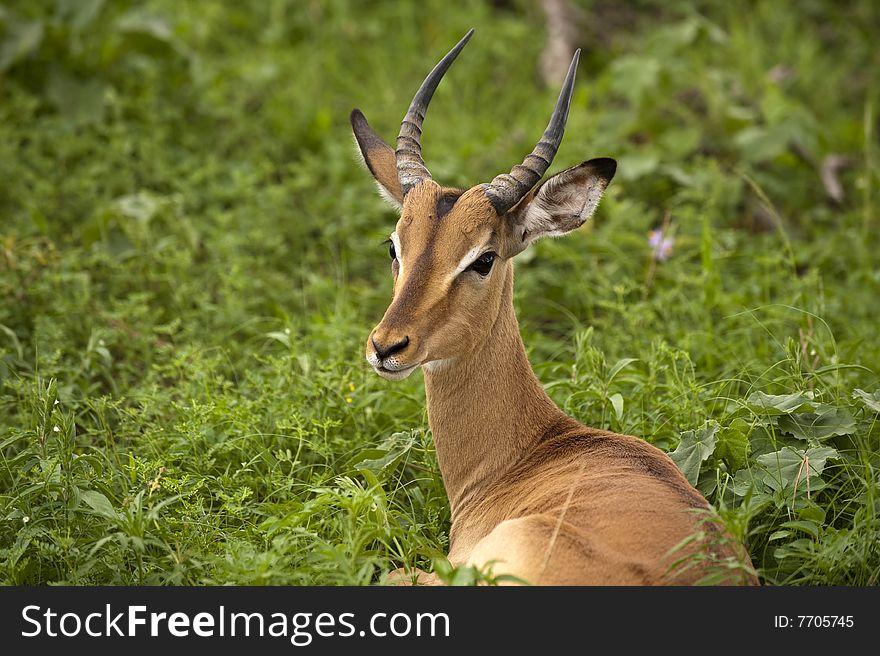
(385, 351)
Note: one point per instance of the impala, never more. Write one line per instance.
(533, 493)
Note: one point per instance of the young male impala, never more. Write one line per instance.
(533, 492)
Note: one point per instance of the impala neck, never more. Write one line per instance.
(487, 409)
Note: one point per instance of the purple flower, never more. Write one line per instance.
(661, 244)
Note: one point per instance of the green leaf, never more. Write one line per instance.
(805, 426)
(804, 525)
(380, 463)
(100, 543)
(746, 480)
(785, 404)
(617, 404)
(870, 401)
(141, 206)
(797, 549)
(673, 37)
(680, 142)
(695, 447)
(279, 336)
(99, 503)
(79, 13)
(153, 512)
(761, 143)
(636, 165)
(618, 366)
(783, 467)
(14, 338)
(632, 76)
(389, 453)
(20, 40)
(79, 100)
(812, 512)
(707, 483)
(140, 21)
(819, 455)
(733, 444)
(789, 466)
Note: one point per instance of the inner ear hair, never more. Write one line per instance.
(379, 158)
(563, 202)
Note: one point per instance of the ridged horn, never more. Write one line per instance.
(410, 167)
(507, 189)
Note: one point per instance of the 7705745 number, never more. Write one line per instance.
(813, 621)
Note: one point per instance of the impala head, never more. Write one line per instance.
(451, 249)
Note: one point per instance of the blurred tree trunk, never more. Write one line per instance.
(562, 38)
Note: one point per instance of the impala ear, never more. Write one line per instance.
(560, 204)
(379, 158)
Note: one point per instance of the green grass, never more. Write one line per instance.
(191, 260)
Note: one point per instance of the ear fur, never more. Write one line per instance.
(379, 158)
(559, 204)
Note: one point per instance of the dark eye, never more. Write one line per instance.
(392, 252)
(483, 264)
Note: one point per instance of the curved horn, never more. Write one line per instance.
(507, 189)
(410, 167)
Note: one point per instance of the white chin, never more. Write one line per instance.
(396, 375)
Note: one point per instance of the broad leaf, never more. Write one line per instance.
(733, 444)
(804, 525)
(836, 421)
(784, 404)
(789, 466)
(618, 366)
(141, 206)
(78, 100)
(639, 164)
(695, 447)
(78, 12)
(389, 453)
(279, 336)
(870, 401)
(633, 76)
(140, 21)
(813, 512)
(760, 144)
(21, 38)
(617, 404)
(99, 504)
(707, 483)
(747, 480)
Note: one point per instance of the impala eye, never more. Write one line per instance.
(392, 252)
(483, 264)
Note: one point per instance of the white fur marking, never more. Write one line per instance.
(386, 195)
(396, 241)
(555, 200)
(435, 366)
(470, 257)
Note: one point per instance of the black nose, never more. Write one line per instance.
(385, 351)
